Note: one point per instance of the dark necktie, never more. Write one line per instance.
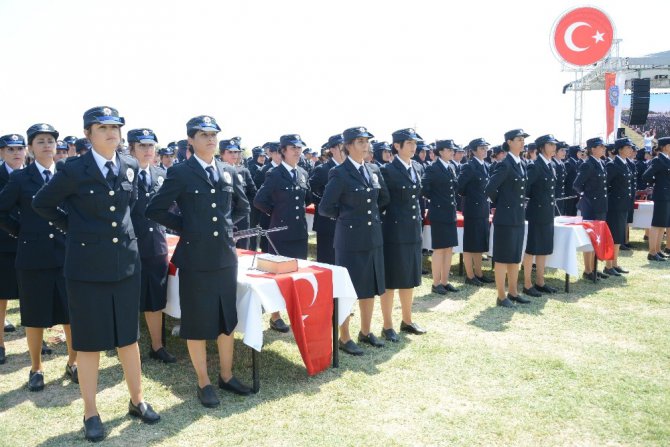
(110, 177)
(361, 169)
(409, 171)
(47, 175)
(294, 174)
(210, 174)
(486, 169)
(143, 179)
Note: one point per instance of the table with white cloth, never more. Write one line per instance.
(568, 241)
(257, 295)
(642, 214)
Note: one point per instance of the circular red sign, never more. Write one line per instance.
(583, 36)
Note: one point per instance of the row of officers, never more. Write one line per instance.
(85, 237)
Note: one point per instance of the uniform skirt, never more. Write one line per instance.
(540, 239)
(402, 265)
(507, 243)
(9, 286)
(153, 291)
(366, 270)
(594, 216)
(43, 297)
(476, 235)
(443, 235)
(208, 303)
(324, 247)
(104, 315)
(617, 221)
(291, 249)
(661, 216)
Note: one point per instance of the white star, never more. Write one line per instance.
(598, 36)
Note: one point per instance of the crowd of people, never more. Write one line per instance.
(84, 221)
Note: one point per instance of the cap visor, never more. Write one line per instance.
(147, 141)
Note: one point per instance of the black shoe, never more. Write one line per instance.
(663, 255)
(3, 358)
(611, 272)
(439, 289)
(234, 386)
(602, 275)
(207, 396)
(162, 354)
(484, 280)
(370, 339)
(36, 381)
(424, 272)
(351, 348)
(545, 289)
(9, 327)
(666, 250)
(94, 431)
(504, 303)
(390, 335)
(620, 270)
(519, 299)
(450, 288)
(278, 325)
(624, 247)
(531, 292)
(143, 411)
(655, 257)
(412, 328)
(45, 349)
(590, 276)
(473, 281)
(72, 372)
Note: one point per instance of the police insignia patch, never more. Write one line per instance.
(240, 178)
(15, 138)
(375, 179)
(227, 178)
(145, 132)
(207, 120)
(106, 111)
(130, 174)
(160, 181)
(44, 127)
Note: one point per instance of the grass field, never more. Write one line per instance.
(587, 368)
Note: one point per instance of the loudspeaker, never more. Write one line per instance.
(621, 132)
(639, 101)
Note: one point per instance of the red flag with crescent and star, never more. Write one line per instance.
(583, 36)
(601, 238)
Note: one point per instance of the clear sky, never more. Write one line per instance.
(461, 69)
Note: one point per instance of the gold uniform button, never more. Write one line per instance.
(51, 236)
(111, 193)
(114, 224)
(112, 208)
(216, 233)
(213, 205)
(214, 219)
(115, 240)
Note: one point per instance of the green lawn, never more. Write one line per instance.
(587, 368)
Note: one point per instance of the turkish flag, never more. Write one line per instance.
(309, 301)
(601, 238)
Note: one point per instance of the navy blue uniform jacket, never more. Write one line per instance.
(208, 212)
(507, 186)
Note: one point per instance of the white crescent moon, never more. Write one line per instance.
(309, 277)
(567, 37)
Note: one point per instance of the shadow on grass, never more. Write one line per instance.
(280, 377)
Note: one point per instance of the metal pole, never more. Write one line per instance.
(255, 364)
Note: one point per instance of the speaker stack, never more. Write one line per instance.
(639, 102)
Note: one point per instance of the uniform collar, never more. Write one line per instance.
(41, 168)
(204, 164)
(101, 161)
(516, 159)
(356, 164)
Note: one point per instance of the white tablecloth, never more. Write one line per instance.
(258, 295)
(568, 240)
(642, 215)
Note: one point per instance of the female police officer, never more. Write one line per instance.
(102, 264)
(354, 194)
(439, 186)
(13, 151)
(658, 174)
(591, 184)
(40, 253)
(150, 241)
(541, 191)
(507, 186)
(211, 199)
(402, 232)
(283, 197)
